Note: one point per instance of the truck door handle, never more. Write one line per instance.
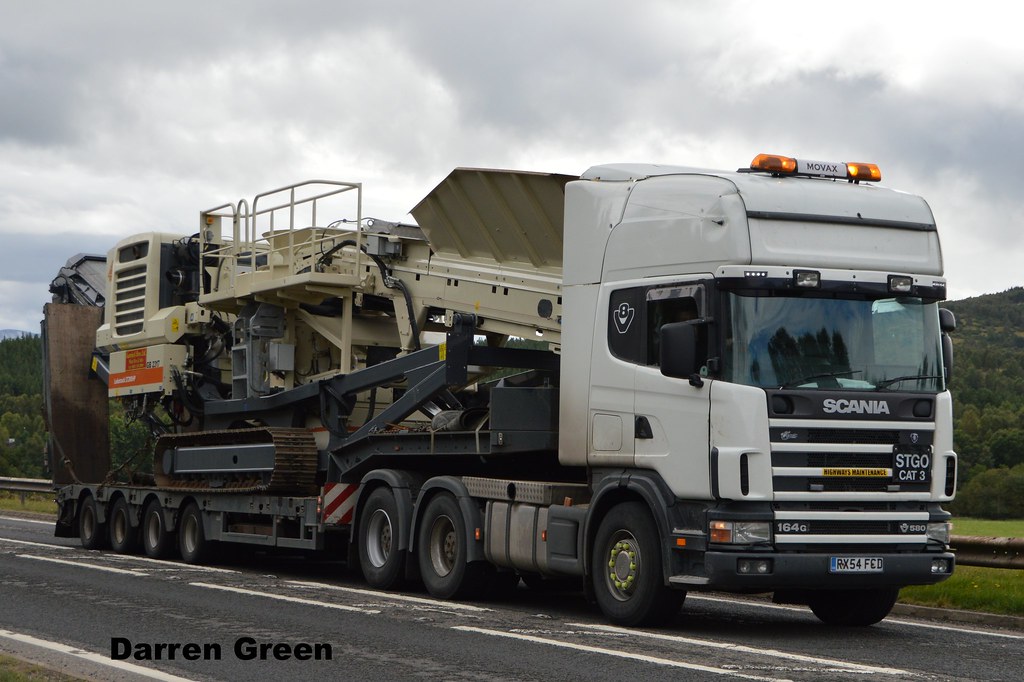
(642, 428)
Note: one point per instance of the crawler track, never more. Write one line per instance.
(295, 462)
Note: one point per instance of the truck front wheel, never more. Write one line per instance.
(382, 562)
(441, 549)
(853, 607)
(627, 569)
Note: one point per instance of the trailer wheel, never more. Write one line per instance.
(441, 549)
(853, 607)
(192, 542)
(382, 562)
(626, 569)
(92, 533)
(124, 538)
(157, 541)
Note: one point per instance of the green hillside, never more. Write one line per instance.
(988, 395)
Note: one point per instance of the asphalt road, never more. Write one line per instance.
(65, 607)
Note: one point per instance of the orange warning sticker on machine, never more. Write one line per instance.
(135, 359)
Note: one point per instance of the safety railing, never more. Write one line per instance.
(266, 238)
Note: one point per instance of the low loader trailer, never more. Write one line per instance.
(647, 379)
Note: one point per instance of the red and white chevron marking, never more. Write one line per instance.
(339, 502)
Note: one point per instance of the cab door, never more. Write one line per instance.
(671, 415)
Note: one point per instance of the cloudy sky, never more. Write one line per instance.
(124, 117)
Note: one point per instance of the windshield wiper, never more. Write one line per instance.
(895, 380)
(824, 375)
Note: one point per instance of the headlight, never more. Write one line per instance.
(939, 531)
(741, 532)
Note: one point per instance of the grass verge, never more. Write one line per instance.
(41, 503)
(16, 670)
(992, 590)
(987, 528)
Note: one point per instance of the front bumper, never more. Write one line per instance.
(811, 571)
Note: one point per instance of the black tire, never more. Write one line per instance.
(853, 607)
(91, 532)
(627, 569)
(124, 537)
(195, 548)
(157, 541)
(441, 550)
(382, 563)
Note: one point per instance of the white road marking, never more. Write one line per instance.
(614, 652)
(834, 664)
(18, 518)
(894, 621)
(35, 544)
(169, 565)
(91, 657)
(388, 595)
(79, 564)
(282, 597)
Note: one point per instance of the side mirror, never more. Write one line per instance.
(947, 355)
(679, 349)
(947, 320)
(947, 323)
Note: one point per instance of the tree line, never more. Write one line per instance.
(988, 404)
(22, 429)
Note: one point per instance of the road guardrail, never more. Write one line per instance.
(988, 552)
(26, 485)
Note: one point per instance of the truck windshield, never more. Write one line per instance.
(833, 343)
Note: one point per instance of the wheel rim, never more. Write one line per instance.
(378, 538)
(624, 564)
(443, 545)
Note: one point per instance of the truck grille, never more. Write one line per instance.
(854, 436)
(831, 486)
(129, 301)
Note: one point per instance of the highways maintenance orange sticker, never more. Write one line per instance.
(863, 473)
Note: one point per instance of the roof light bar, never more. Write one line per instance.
(784, 165)
(773, 163)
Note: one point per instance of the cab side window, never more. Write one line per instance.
(636, 315)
